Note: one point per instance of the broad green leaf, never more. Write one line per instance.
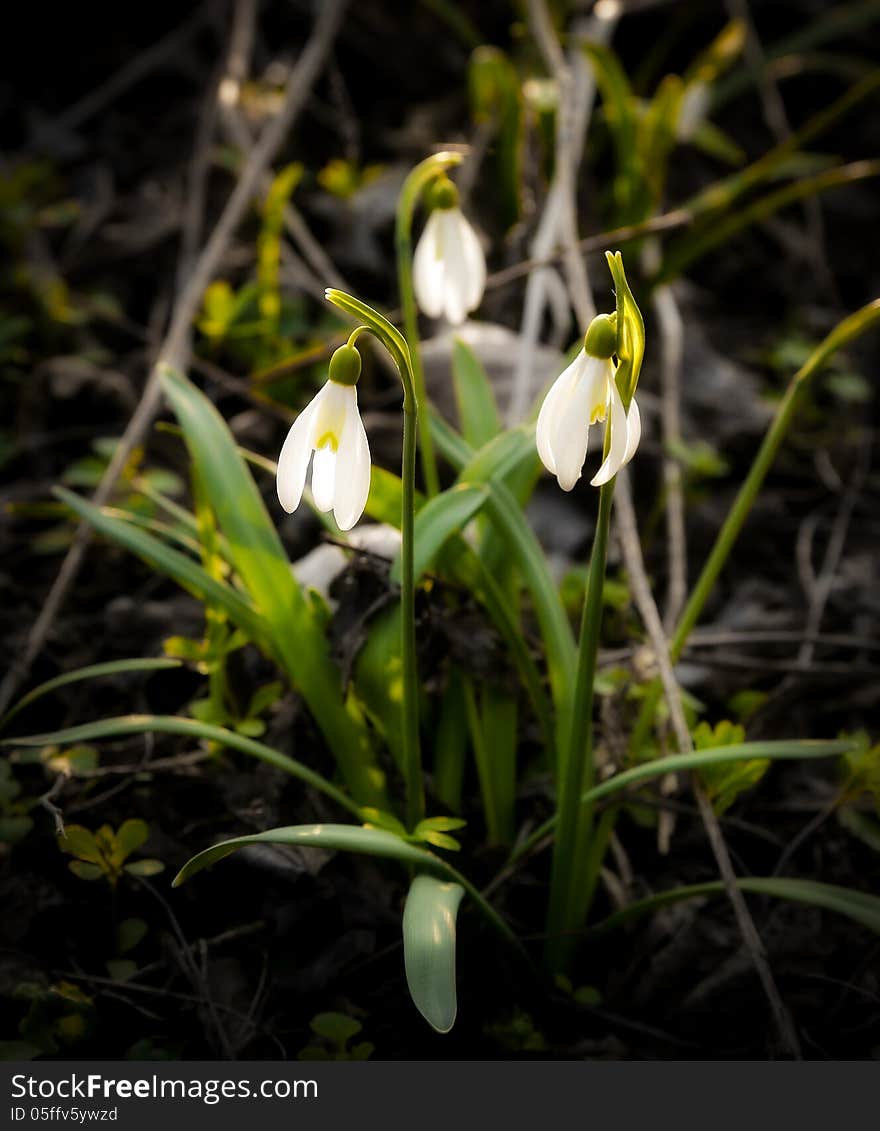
(93, 671)
(503, 455)
(342, 838)
(84, 870)
(354, 838)
(80, 841)
(477, 408)
(262, 565)
(336, 1027)
(145, 868)
(446, 514)
(129, 933)
(190, 728)
(429, 949)
(130, 835)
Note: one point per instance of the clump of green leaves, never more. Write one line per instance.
(432, 830)
(104, 854)
(334, 1031)
(724, 784)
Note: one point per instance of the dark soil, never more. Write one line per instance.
(237, 962)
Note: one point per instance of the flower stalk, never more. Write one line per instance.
(590, 390)
(397, 346)
(413, 188)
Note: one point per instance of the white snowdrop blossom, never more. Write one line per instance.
(330, 426)
(585, 394)
(449, 268)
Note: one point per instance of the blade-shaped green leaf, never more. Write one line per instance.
(262, 565)
(92, 671)
(621, 117)
(477, 407)
(429, 948)
(508, 518)
(187, 573)
(683, 763)
(446, 514)
(861, 906)
(630, 330)
(342, 838)
(191, 728)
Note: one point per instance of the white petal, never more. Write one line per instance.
(293, 462)
(429, 269)
(475, 264)
(545, 429)
(324, 478)
(352, 469)
(572, 435)
(562, 430)
(455, 279)
(617, 450)
(633, 431)
(329, 419)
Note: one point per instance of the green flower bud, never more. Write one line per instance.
(600, 339)
(345, 366)
(442, 193)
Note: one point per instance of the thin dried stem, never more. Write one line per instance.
(173, 352)
(641, 592)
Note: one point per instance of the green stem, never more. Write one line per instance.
(412, 190)
(574, 819)
(415, 793)
(376, 324)
(850, 328)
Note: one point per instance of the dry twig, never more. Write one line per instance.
(641, 591)
(174, 352)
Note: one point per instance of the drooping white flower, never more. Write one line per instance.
(449, 268)
(584, 394)
(330, 426)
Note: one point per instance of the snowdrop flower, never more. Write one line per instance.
(331, 427)
(586, 393)
(449, 268)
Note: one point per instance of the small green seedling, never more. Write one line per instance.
(334, 1031)
(103, 854)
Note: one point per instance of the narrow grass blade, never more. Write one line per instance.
(860, 906)
(342, 838)
(356, 838)
(187, 573)
(262, 565)
(683, 763)
(429, 949)
(93, 671)
(190, 728)
(523, 546)
(477, 407)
